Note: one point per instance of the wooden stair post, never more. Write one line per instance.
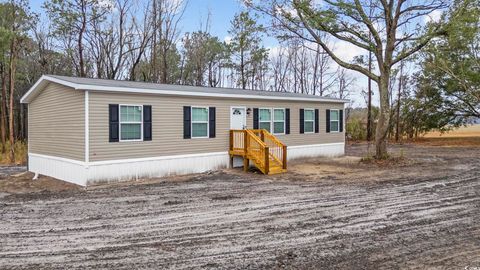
(267, 160)
(246, 163)
(231, 148)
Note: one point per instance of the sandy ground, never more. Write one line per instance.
(322, 214)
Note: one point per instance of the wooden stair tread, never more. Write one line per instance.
(256, 143)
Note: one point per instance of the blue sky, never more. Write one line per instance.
(196, 13)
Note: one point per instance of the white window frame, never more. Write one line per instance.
(338, 120)
(199, 122)
(271, 118)
(120, 123)
(284, 121)
(313, 121)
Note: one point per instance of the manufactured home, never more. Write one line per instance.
(84, 130)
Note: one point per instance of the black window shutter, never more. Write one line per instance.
(302, 121)
(316, 121)
(341, 121)
(211, 120)
(328, 121)
(255, 118)
(114, 127)
(187, 132)
(287, 121)
(147, 122)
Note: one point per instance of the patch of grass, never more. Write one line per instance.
(369, 157)
(21, 152)
(390, 160)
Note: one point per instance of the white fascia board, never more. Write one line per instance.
(170, 92)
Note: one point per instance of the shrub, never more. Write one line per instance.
(356, 129)
(21, 151)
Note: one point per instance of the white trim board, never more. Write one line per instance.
(45, 78)
(87, 127)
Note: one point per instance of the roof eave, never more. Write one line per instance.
(45, 78)
(198, 94)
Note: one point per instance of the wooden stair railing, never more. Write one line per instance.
(267, 152)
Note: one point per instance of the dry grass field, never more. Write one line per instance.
(469, 131)
(462, 137)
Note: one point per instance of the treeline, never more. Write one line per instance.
(144, 41)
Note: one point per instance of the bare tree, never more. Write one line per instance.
(111, 42)
(345, 82)
(142, 35)
(165, 18)
(280, 65)
(299, 67)
(323, 77)
(72, 21)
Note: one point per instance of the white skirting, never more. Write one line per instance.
(69, 170)
(128, 169)
(83, 173)
(316, 150)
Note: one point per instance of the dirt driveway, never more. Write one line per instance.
(323, 214)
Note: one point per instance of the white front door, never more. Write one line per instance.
(238, 118)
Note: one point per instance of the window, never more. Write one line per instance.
(334, 121)
(309, 120)
(199, 122)
(131, 122)
(265, 119)
(279, 121)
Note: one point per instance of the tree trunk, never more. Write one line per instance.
(12, 90)
(80, 45)
(164, 78)
(397, 124)
(242, 70)
(3, 116)
(383, 120)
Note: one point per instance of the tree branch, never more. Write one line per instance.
(332, 54)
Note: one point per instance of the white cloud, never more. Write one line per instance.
(274, 51)
(433, 16)
(347, 51)
(107, 4)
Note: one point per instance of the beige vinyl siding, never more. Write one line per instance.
(167, 125)
(56, 123)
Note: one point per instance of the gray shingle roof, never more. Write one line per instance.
(168, 89)
(185, 88)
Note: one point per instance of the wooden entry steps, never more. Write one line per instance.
(267, 152)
